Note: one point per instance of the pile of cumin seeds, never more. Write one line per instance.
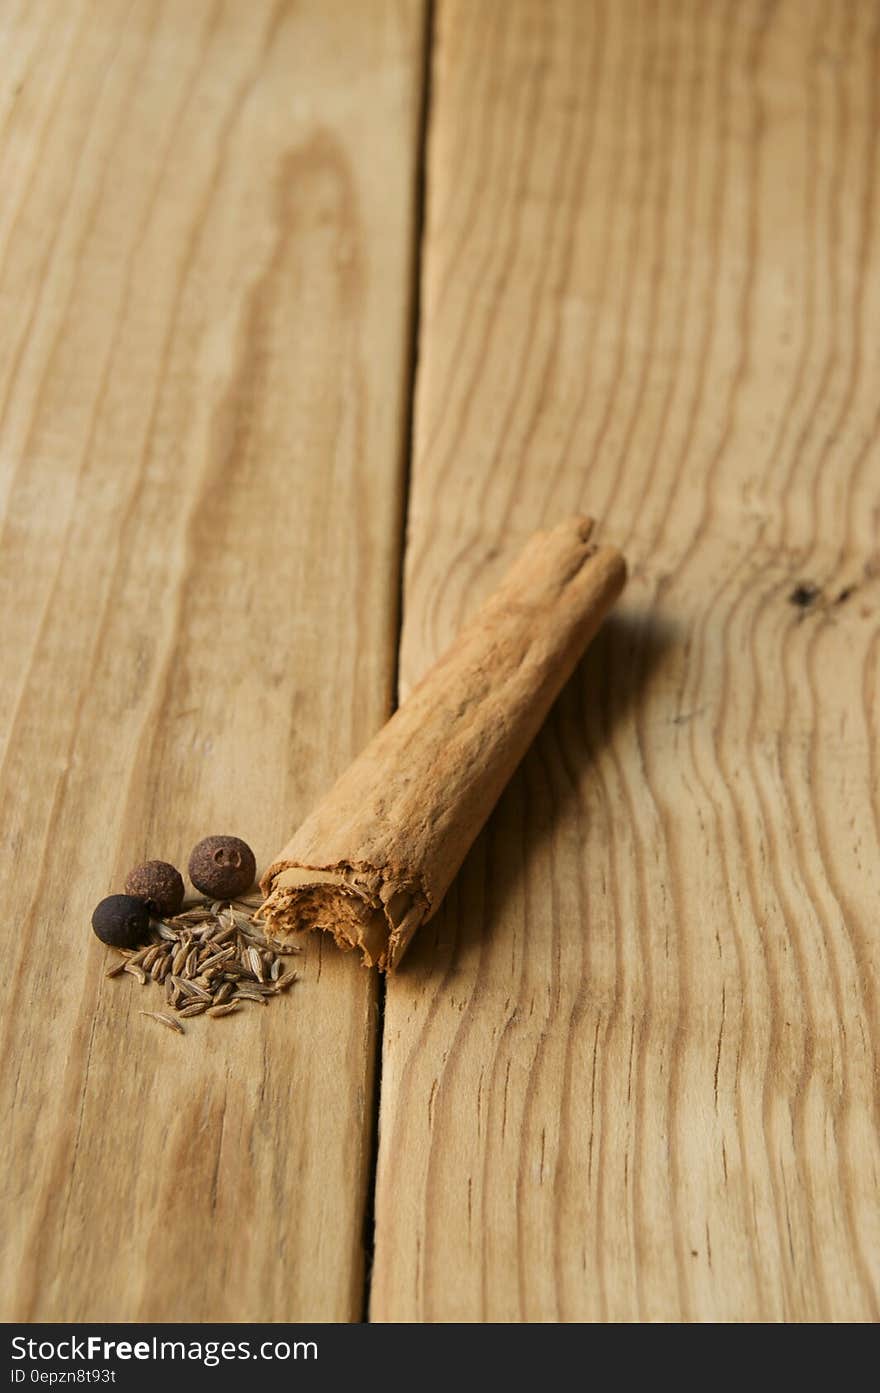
(210, 960)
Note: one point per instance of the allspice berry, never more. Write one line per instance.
(160, 884)
(121, 920)
(222, 867)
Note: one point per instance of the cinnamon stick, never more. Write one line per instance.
(374, 859)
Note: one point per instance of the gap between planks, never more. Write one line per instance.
(415, 295)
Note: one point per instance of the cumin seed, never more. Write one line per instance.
(171, 1023)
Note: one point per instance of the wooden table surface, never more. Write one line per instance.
(311, 313)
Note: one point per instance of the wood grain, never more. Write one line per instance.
(205, 288)
(630, 1071)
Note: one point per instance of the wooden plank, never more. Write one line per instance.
(641, 1083)
(205, 292)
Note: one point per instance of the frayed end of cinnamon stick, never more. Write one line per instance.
(357, 905)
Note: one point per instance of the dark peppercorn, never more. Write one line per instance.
(222, 867)
(160, 884)
(121, 920)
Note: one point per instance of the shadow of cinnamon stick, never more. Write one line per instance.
(555, 787)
